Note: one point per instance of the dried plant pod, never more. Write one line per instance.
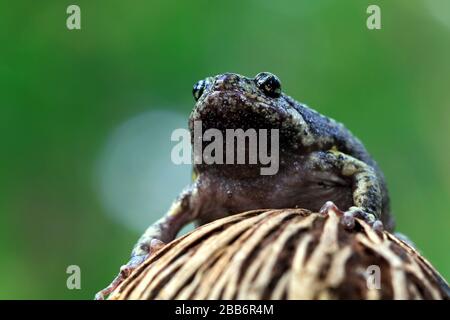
(284, 254)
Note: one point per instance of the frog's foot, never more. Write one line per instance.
(348, 220)
(128, 268)
(125, 271)
(348, 217)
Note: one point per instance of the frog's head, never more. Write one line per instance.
(232, 101)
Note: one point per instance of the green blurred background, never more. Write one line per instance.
(86, 115)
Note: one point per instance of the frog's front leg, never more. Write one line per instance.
(366, 191)
(162, 231)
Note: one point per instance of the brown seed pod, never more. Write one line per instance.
(284, 254)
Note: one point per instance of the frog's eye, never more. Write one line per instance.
(198, 89)
(269, 84)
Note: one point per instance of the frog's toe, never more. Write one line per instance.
(348, 220)
(329, 206)
(134, 262)
(378, 226)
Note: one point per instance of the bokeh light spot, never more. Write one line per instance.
(137, 180)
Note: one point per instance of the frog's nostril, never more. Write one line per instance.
(227, 77)
(226, 81)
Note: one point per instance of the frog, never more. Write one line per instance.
(322, 166)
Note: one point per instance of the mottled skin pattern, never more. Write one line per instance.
(321, 162)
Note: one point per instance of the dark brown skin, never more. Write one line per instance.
(321, 164)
